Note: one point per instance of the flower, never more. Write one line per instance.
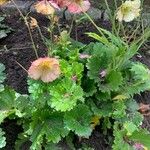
(77, 6)
(56, 3)
(139, 146)
(44, 7)
(47, 69)
(129, 10)
(74, 6)
(3, 2)
(33, 23)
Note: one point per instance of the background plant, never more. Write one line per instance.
(4, 29)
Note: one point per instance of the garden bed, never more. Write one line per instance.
(17, 47)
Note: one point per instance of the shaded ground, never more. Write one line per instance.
(18, 48)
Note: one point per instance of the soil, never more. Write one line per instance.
(18, 48)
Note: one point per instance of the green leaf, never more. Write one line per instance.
(37, 88)
(65, 95)
(71, 70)
(140, 72)
(142, 136)
(88, 86)
(23, 106)
(104, 109)
(2, 139)
(95, 65)
(52, 146)
(139, 81)
(132, 112)
(98, 38)
(3, 34)
(2, 76)
(78, 120)
(21, 140)
(130, 127)
(112, 82)
(47, 124)
(119, 142)
(7, 98)
(114, 39)
(119, 108)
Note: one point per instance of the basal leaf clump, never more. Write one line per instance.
(77, 87)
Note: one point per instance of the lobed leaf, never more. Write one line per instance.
(78, 120)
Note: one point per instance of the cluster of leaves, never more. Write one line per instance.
(4, 29)
(100, 87)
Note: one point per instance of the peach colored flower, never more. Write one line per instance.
(77, 6)
(47, 69)
(44, 7)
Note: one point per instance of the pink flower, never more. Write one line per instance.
(56, 3)
(84, 56)
(77, 6)
(47, 69)
(74, 6)
(139, 146)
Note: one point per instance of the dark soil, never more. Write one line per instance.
(18, 48)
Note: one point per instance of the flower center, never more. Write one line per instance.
(45, 65)
(126, 9)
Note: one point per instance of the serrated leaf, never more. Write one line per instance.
(23, 106)
(65, 95)
(7, 98)
(120, 97)
(70, 70)
(132, 112)
(140, 72)
(119, 108)
(103, 110)
(103, 96)
(119, 142)
(95, 65)
(130, 127)
(49, 124)
(2, 139)
(89, 87)
(112, 82)
(79, 120)
(3, 114)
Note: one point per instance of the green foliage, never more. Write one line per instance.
(4, 29)
(46, 123)
(2, 139)
(119, 141)
(2, 76)
(72, 70)
(65, 94)
(113, 81)
(78, 120)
